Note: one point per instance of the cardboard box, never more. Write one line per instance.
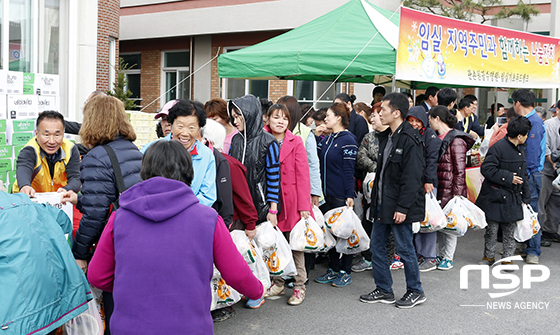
(47, 103)
(12, 175)
(21, 138)
(29, 83)
(3, 106)
(3, 83)
(17, 149)
(21, 106)
(6, 164)
(14, 82)
(47, 84)
(3, 126)
(3, 139)
(18, 126)
(53, 199)
(6, 151)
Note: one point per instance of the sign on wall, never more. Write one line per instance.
(438, 49)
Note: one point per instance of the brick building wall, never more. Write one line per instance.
(108, 18)
(150, 79)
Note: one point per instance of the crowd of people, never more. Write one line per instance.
(154, 218)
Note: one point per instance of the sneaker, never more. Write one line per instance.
(378, 296)
(554, 237)
(397, 264)
(532, 259)
(342, 280)
(274, 292)
(327, 277)
(438, 259)
(546, 243)
(297, 298)
(411, 299)
(254, 304)
(445, 264)
(486, 261)
(362, 265)
(428, 265)
(222, 314)
(508, 263)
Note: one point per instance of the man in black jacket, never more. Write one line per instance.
(397, 201)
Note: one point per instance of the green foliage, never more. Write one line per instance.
(119, 90)
(467, 9)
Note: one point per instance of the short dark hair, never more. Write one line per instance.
(494, 106)
(518, 126)
(431, 91)
(465, 102)
(185, 107)
(398, 101)
(378, 89)
(420, 98)
(291, 103)
(265, 105)
(53, 115)
(346, 98)
(471, 96)
(446, 96)
(320, 114)
(525, 97)
(444, 115)
(167, 159)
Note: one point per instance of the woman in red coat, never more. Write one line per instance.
(295, 194)
(451, 173)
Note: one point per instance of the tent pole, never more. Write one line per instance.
(394, 84)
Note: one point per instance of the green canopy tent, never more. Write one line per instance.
(357, 39)
(321, 49)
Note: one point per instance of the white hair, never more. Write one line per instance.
(215, 133)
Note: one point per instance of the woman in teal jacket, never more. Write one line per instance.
(41, 286)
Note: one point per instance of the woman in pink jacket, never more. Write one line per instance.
(295, 191)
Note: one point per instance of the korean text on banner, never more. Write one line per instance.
(438, 49)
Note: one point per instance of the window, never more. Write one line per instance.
(21, 33)
(176, 70)
(133, 75)
(50, 36)
(30, 35)
(234, 88)
(308, 91)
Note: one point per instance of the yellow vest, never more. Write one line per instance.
(42, 181)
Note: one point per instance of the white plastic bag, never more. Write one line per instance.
(222, 294)
(319, 218)
(475, 216)
(434, 219)
(306, 236)
(358, 208)
(527, 227)
(329, 240)
(278, 257)
(243, 245)
(367, 185)
(415, 227)
(265, 235)
(89, 322)
(357, 242)
(259, 268)
(556, 182)
(455, 213)
(340, 221)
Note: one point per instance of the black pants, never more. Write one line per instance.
(108, 306)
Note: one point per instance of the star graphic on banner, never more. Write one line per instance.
(414, 26)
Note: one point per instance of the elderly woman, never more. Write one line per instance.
(185, 234)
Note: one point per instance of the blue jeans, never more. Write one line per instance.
(535, 185)
(405, 249)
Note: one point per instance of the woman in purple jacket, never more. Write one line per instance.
(157, 259)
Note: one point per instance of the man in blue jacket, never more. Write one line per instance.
(523, 103)
(397, 200)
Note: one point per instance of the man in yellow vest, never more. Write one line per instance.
(48, 162)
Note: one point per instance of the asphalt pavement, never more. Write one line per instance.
(531, 307)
